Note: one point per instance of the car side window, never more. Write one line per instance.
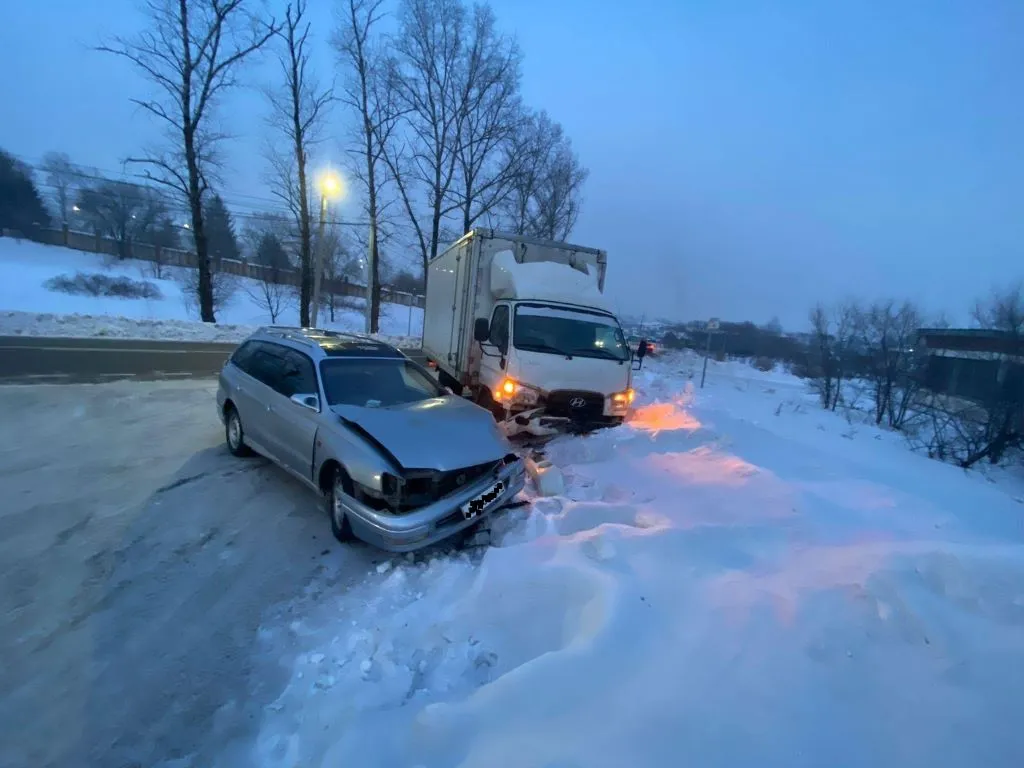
(499, 327)
(298, 375)
(267, 365)
(242, 357)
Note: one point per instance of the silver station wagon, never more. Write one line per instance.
(401, 461)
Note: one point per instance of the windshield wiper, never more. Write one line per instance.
(540, 347)
(599, 351)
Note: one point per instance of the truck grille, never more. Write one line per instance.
(575, 404)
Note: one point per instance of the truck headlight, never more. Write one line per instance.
(512, 391)
(621, 400)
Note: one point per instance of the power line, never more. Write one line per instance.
(239, 209)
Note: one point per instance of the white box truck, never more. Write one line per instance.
(521, 326)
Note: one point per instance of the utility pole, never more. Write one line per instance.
(318, 261)
(712, 326)
(330, 186)
(368, 314)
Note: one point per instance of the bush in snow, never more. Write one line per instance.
(765, 364)
(94, 284)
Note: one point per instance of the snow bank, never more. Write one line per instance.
(113, 326)
(725, 583)
(25, 267)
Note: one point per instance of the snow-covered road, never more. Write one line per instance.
(137, 560)
(734, 579)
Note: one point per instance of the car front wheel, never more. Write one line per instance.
(234, 435)
(340, 526)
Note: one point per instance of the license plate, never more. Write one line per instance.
(474, 507)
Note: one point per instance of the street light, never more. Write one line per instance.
(331, 188)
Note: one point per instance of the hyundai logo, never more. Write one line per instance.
(577, 402)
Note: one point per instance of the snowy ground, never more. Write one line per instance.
(735, 578)
(28, 308)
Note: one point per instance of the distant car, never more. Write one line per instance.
(401, 461)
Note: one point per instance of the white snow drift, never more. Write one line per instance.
(735, 578)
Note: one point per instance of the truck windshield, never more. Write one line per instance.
(557, 330)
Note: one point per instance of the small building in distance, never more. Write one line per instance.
(975, 364)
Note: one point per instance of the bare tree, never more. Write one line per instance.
(298, 111)
(270, 291)
(222, 286)
(122, 211)
(834, 332)
(990, 424)
(63, 179)
(486, 157)
(370, 96)
(190, 53)
(544, 200)
(888, 336)
(425, 73)
(846, 318)
(823, 369)
(1002, 310)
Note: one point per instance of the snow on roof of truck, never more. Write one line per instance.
(544, 280)
(495, 233)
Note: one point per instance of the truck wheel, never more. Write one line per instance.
(447, 381)
(485, 399)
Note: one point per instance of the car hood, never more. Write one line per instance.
(442, 433)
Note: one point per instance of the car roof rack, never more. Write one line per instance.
(316, 336)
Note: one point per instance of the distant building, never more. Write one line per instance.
(974, 364)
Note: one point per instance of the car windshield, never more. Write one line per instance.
(556, 330)
(376, 383)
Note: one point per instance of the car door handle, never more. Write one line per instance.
(270, 407)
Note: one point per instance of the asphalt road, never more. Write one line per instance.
(28, 359)
(138, 562)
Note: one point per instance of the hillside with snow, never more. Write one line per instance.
(28, 307)
(734, 578)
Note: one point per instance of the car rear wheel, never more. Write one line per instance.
(340, 526)
(234, 435)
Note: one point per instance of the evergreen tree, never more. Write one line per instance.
(270, 252)
(21, 209)
(220, 231)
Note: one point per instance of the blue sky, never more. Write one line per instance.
(747, 157)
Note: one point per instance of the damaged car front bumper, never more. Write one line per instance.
(434, 522)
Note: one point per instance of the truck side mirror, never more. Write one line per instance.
(481, 329)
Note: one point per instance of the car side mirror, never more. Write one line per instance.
(307, 401)
(481, 329)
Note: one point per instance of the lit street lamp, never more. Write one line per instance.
(330, 188)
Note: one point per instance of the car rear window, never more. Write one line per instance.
(376, 382)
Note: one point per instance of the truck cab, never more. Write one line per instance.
(563, 361)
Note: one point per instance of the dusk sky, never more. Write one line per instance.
(746, 157)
